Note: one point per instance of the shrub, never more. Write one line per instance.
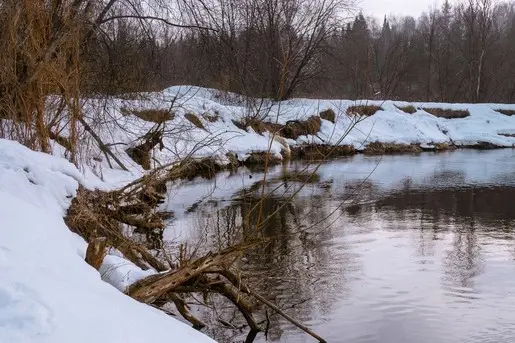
(448, 114)
(363, 110)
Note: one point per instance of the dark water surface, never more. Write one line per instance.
(421, 250)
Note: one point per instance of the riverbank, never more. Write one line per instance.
(145, 131)
(48, 291)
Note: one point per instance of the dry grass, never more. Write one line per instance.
(212, 118)
(296, 128)
(192, 118)
(317, 152)
(328, 115)
(363, 110)
(151, 115)
(410, 109)
(377, 148)
(506, 112)
(259, 159)
(448, 114)
(261, 126)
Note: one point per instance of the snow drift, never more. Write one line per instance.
(48, 293)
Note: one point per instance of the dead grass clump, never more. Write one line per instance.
(192, 168)
(152, 115)
(296, 128)
(141, 154)
(318, 152)
(483, 146)
(410, 109)
(328, 115)
(506, 112)
(192, 118)
(212, 118)
(261, 127)
(363, 110)
(448, 114)
(260, 158)
(377, 148)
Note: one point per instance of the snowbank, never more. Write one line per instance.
(47, 292)
(218, 113)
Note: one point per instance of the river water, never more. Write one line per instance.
(409, 248)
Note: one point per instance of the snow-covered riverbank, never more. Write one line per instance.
(216, 132)
(48, 293)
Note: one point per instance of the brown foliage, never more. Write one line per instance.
(363, 110)
(446, 113)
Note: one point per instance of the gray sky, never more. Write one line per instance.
(380, 8)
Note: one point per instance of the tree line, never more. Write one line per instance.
(463, 51)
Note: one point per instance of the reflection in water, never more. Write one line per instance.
(425, 256)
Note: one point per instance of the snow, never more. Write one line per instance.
(48, 293)
(110, 120)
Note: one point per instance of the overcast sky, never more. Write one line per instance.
(380, 8)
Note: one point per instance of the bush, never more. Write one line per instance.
(448, 114)
(363, 110)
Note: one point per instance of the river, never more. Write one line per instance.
(407, 248)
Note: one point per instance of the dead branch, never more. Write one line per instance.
(153, 287)
(236, 281)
